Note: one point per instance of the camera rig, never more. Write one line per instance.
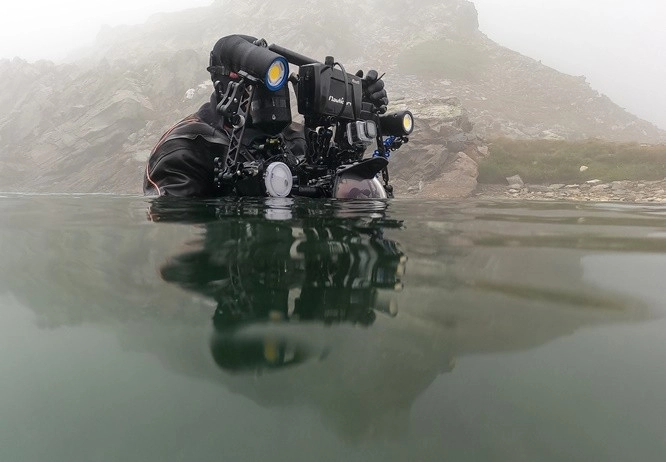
(339, 126)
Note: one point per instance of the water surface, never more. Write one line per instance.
(311, 330)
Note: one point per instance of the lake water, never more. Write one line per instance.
(284, 330)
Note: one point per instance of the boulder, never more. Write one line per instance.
(515, 181)
(458, 180)
(441, 159)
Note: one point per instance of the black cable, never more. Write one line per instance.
(346, 97)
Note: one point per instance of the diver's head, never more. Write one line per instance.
(270, 109)
(220, 69)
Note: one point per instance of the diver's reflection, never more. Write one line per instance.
(265, 268)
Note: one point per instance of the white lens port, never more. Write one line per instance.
(278, 180)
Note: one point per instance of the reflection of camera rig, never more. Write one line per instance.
(271, 273)
(340, 126)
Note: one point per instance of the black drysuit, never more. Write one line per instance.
(182, 163)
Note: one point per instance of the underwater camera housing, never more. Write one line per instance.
(326, 92)
(330, 96)
(340, 125)
(327, 96)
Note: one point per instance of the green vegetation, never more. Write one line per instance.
(544, 162)
(443, 58)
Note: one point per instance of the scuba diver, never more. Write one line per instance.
(185, 159)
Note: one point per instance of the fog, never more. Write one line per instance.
(617, 44)
(614, 43)
(44, 29)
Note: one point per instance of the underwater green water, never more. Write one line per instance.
(280, 330)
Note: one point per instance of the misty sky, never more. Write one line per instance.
(617, 44)
(42, 29)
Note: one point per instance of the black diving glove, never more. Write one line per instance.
(373, 90)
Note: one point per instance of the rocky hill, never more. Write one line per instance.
(87, 126)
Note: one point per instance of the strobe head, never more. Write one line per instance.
(238, 53)
(397, 124)
(277, 74)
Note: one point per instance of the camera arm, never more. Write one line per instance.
(230, 104)
(234, 107)
(294, 58)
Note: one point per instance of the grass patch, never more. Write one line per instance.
(543, 161)
(444, 59)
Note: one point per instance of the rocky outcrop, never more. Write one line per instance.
(511, 95)
(441, 159)
(88, 128)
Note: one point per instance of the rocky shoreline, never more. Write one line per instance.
(591, 191)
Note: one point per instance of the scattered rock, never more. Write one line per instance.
(458, 181)
(539, 188)
(550, 135)
(515, 180)
(653, 192)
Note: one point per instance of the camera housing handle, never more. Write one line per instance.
(234, 106)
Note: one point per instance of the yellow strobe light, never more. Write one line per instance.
(408, 122)
(397, 123)
(276, 76)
